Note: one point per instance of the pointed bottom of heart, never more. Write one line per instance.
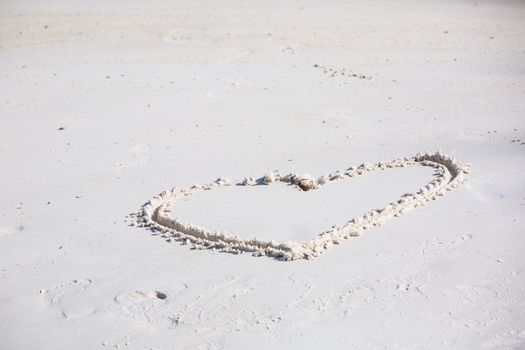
(155, 214)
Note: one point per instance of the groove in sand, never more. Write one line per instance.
(155, 214)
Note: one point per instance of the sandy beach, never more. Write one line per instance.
(233, 175)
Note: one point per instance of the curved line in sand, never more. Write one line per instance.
(155, 214)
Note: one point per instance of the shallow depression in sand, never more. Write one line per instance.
(283, 212)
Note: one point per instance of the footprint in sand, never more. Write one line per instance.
(70, 299)
(152, 306)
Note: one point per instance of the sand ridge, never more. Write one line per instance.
(449, 173)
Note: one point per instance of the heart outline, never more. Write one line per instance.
(154, 214)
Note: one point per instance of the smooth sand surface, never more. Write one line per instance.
(103, 106)
(285, 213)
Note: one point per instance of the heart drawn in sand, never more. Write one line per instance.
(155, 214)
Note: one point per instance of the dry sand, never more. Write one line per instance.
(105, 104)
(155, 214)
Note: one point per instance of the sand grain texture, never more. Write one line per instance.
(104, 104)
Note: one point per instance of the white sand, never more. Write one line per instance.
(104, 105)
(156, 213)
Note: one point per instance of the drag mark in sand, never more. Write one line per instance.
(449, 173)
